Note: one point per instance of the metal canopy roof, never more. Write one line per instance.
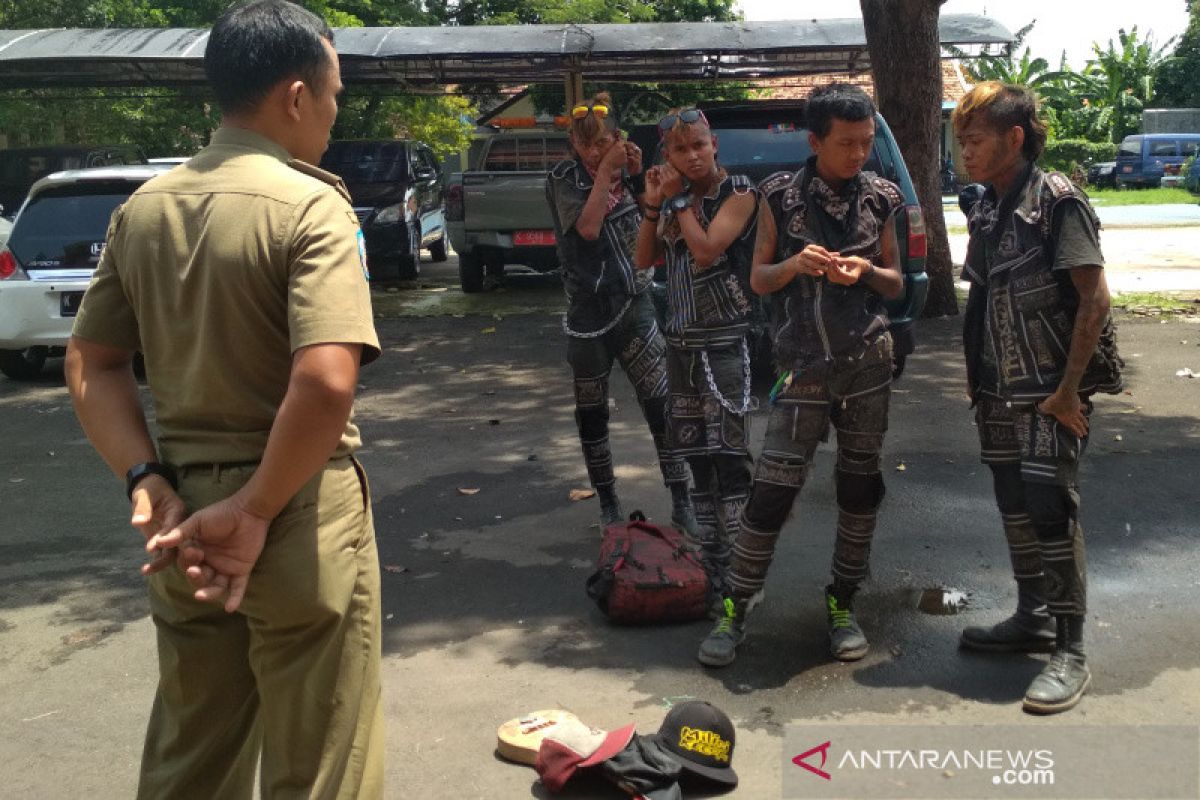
(428, 58)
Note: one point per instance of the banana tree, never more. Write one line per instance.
(1120, 78)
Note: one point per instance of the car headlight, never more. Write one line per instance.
(389, 215)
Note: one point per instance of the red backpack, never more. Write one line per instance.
(648, 573)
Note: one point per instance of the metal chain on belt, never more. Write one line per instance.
(596, 334)
(712, 383)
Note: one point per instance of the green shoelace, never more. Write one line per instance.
(838, 617)
(725, 624)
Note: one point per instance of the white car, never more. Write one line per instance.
(51, 253)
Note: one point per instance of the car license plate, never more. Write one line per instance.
(533, 238)
(68, 303)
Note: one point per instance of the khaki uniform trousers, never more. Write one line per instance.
(293, 673)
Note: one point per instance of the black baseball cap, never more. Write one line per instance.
(701, 737)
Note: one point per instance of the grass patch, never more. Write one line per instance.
(1140, 304)
(1141, 197)
(1158, 302)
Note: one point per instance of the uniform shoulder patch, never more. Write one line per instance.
(362, 255)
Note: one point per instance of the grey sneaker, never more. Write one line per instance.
(846, 640)
(1017, 634)
(1060, 685)
(719, 649)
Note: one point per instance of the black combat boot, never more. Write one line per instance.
(1030, 630)
(682, 515)
(610, 506)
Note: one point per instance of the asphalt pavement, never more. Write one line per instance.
(486, 616)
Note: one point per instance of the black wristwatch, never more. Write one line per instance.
(139, 471)
(678, 203)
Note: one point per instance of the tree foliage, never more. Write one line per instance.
(1177, 83)
(554, 12)
(1119, 80)
(166, 122)
(1104, 101)
(1065, 155)
(1028, 70)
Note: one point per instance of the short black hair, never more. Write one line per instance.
(836, 101)
(255, 45)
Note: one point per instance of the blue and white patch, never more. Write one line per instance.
(362, 255)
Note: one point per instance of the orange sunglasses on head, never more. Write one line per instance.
(598, 110)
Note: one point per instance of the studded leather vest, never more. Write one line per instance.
(814, 319)
(710, 305)
(1018, 327)
(598, 275)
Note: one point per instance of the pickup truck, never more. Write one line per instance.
(497, 214)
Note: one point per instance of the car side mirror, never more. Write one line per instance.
(971, 194)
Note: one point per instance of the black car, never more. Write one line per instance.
(760, 138)
(396, 188)
(1102, 174)
(21, 167)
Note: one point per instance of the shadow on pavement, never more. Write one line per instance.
(483, 401)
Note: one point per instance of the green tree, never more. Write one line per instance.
(554, 12)
(442, 122)
(1025, 71)
(1118, 83)
(1177, 82)
(163, 121)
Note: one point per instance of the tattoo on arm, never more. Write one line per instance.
(1089, 322)
(767, 277)
(764, 241)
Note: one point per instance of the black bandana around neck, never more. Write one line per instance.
(836, 212)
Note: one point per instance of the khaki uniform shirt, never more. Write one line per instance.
(218, 271)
